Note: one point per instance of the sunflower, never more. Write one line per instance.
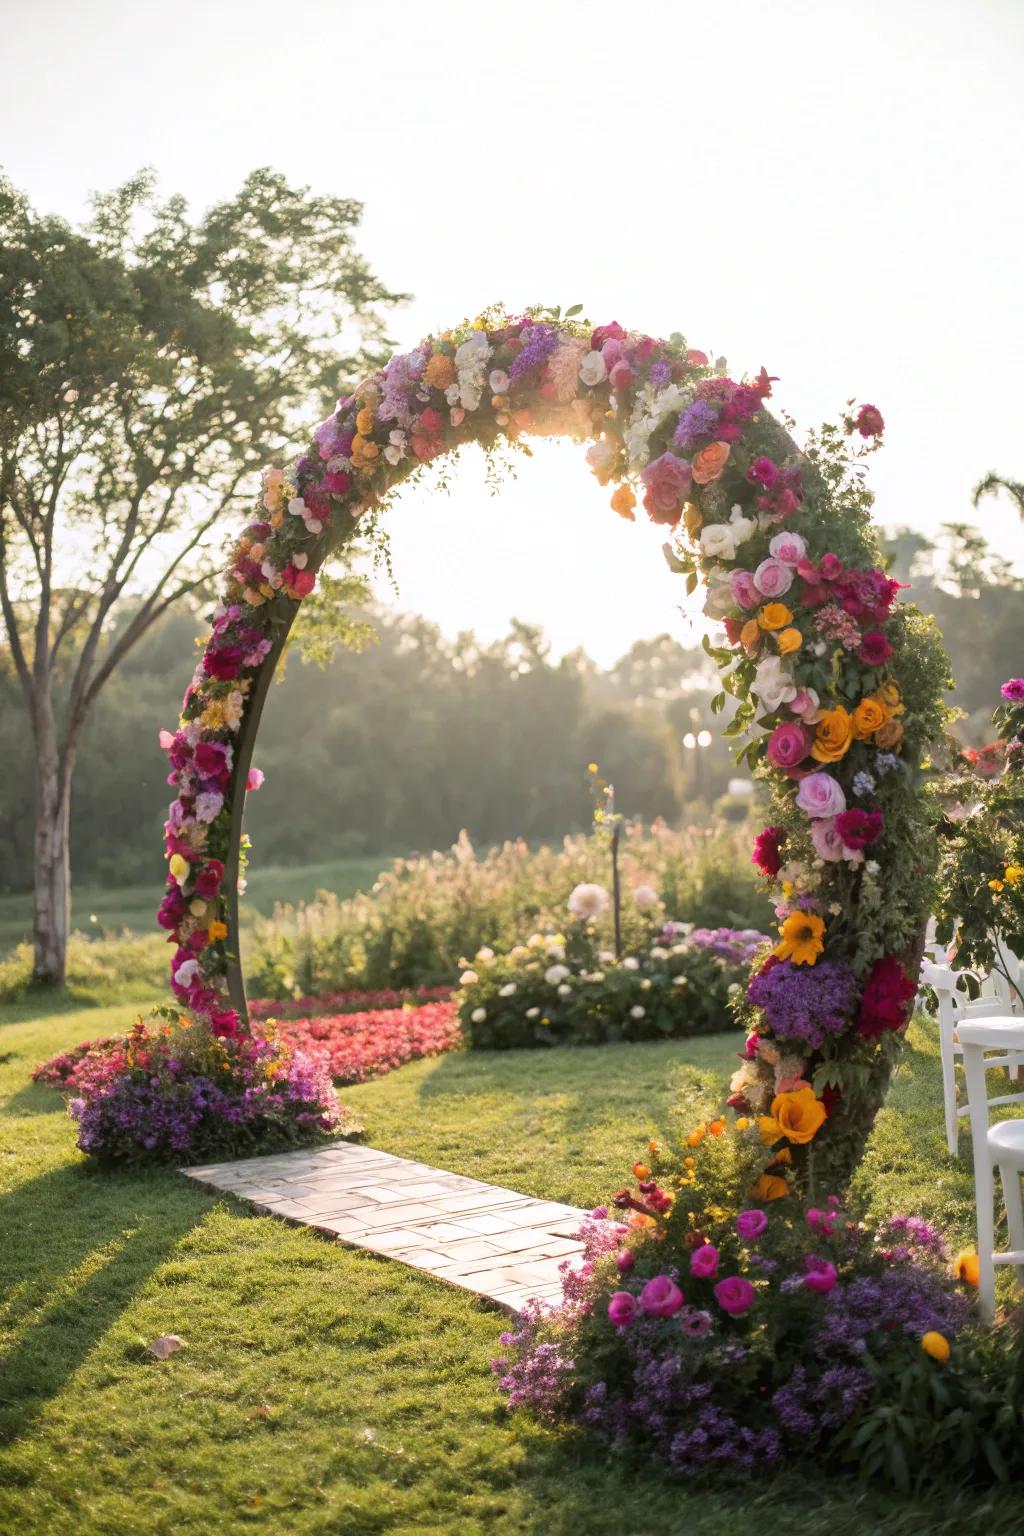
(801, 939)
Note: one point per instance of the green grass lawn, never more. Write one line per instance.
(328, 1392)
(133, 906)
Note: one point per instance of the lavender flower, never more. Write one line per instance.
(863, 784)
(806, 1003)
(697, 421)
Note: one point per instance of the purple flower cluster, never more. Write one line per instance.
(805, 1002)
(907, 1298)
(539, 341)
(737, 945)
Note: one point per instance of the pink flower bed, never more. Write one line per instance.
(358, 1046)
(344, 1002)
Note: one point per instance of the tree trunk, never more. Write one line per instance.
(52, 901)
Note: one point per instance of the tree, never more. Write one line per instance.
(149, 365)
(993, 484)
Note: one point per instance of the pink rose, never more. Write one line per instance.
(741, 585)
(772, 578)
(254, 779)
(735, 1295)
(806, 705)
(660, 1297)
(820, 795)
(622, 1309)
(790, 548)
(668, 480)
(621, 376)
(750, 1225)
(788, 745)
(830, 567)
(827, 842)
(624, 1260)
(820, 1277)
(704, 1262)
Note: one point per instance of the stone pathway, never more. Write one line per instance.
(493, 1241)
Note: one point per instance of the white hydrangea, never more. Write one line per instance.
(478, 1015)
(467, 978)
(508, 990)
(645, 896)
(565, 990)
(555, 974)
(657, 953)
(637, 1012)
(631, 963)
(533, 1013)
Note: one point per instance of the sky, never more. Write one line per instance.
(829, 189)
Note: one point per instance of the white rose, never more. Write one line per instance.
(297, 506)
(773, 683)
(533, 1013)
(508, 990)
(394, 454)
(631, 963)
(499, 382)
(588, 901)
(743, 528)
(478, 1015)
(555, 974)
(593, 369)
(717, 541)
(657, 953)
(680, 981)
(600, 457)
(565, 990)
(636, 1012)
(473, 352)
(467, 978)
(646, 984)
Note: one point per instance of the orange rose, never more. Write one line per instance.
(890, 734)
(709, 462)
(440, 371)
(364, 421)
(833, 735)
(869, 715)
(769, 1187)
(788, 641)
(774, 616)
(623, 502)
(750, 636)
(799, 1115)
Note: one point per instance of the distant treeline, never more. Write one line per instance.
(397, 748)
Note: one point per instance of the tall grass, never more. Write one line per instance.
(425, 913)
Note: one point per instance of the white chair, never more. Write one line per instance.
(998, 1146)
(996, 999)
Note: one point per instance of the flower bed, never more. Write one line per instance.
(170, 1090)
(345, 1002)
(568, 990)
(354, 1047)
(720, 1324)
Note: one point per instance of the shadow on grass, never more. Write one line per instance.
(34, 1099)
(76, 1247)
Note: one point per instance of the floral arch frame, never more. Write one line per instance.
(838, 687)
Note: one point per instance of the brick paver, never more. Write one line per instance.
(493, 1241)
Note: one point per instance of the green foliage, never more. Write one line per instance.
(572, 991)
(425, 914)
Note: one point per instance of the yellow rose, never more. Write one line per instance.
(770, 1187)
(890, 734)
(789, 640)
(364, 421)
(178, 866)
(936, 1345)
(623, 502)
(869, 715)
(800, 1115)
(1013, 874)
(833, 735)
(774, 616)
(892, 698)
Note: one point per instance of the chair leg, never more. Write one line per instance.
(948, 1059)
(984, 1186)
(1014, 1213)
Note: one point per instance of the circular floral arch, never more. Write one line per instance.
(836, 686)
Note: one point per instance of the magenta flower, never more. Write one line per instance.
(821, 1276)
(208, 879)
(254, 779)
(868, 421)
(735, 1295)
(622, 1309)
(660, 1297)
(874, 648)
(741, 585)
(624, 1261)
(859, 829)
(704, 1262)
(695, 1324)
(788, 745)
(763, 471)
(751, 1224)
(1013, 690)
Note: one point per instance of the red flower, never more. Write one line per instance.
(859, 829)
(224, 1025)
(874, 648)
(766, 851)
(868, 421)
(208, 879)
(225, 663)
(883, 1005)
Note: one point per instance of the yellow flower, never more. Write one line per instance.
(641, 1171)
(364, 421)
(833, 735)
(799, 1115)
(936, 1345)
(217, 930)
(623, 502)
(869, 715)
(716, 1127)
(788, 641)
(892, 698)
(774, 616)
(770, 1129)
(1013, 874)
(967, 1268)
(801, 939)
(750, 636)
(770, 1187)
(178, 866)
(591, 767)
(743, 1123)
(995, 885)
(689, 1162)
(696, 1136)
